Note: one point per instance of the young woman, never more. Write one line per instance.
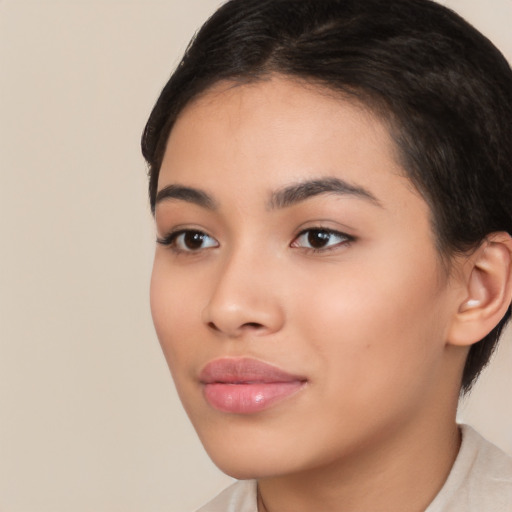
(332, 188)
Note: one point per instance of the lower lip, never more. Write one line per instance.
(248, 398)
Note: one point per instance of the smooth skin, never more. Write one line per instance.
(343, 285)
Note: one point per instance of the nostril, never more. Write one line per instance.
(212, 326)
(247, 325)
(252, 325)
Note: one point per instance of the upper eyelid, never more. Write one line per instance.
(183, 228)
(174, 233)
(320, 227)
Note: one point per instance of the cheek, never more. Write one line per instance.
(376, 329)
(174, 308)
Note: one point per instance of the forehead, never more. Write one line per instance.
(290, 99)
(280, 125)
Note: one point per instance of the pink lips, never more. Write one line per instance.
(246, 386)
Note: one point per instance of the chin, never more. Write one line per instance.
(244, 455)
(244, 473)
(247, 468)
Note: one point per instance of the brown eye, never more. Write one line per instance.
(318, 239)
(189, 241)
(193, 240)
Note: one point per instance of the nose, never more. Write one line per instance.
(245, 298)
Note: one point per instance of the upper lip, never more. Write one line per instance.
(244, 371)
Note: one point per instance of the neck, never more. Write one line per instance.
(402, 472)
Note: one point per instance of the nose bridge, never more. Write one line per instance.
(243, 298)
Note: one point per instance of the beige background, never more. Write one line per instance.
(89, 420)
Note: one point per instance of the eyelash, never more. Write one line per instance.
(171, 240)
(346, 239)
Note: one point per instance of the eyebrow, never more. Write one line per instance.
(293, 194)
(188, 194)
(282, 198)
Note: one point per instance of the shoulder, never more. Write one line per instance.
(491, 476)
(239, 497)
(481, 478)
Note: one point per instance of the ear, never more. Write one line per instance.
(487, 290)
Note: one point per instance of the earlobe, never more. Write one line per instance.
(488, 291)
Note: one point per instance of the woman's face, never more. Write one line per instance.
(297, 292)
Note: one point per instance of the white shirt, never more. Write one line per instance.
(480, 481)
